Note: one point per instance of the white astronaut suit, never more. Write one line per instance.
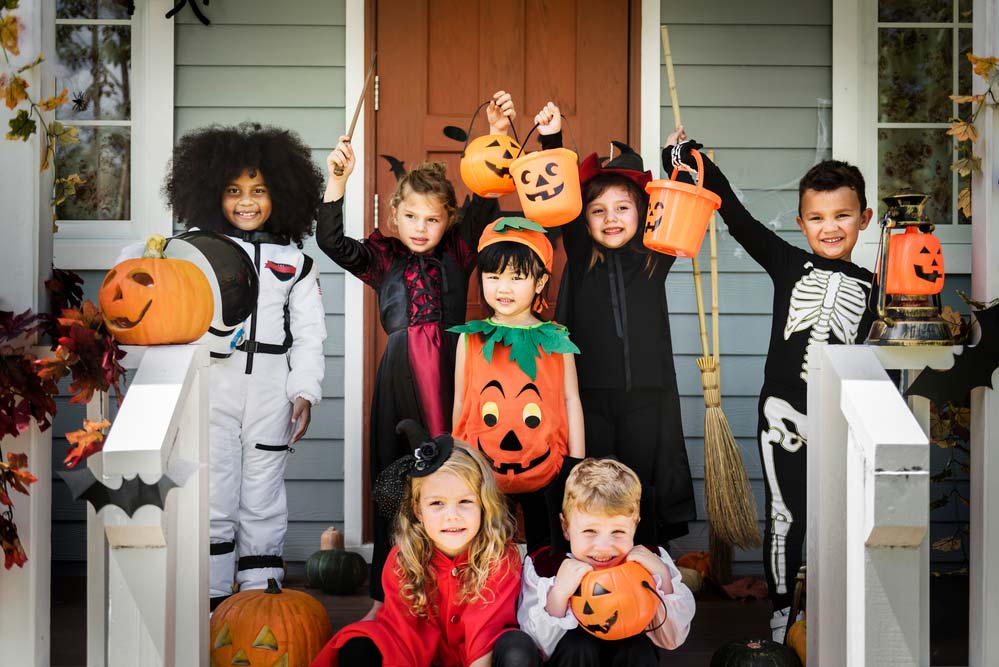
(275, 358)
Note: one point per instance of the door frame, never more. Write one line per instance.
(359, 302)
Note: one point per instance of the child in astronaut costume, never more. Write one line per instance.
(264, 383)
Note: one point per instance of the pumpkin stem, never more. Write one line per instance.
(155, 247)
(272, 587)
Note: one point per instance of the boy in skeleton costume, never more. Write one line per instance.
(819, 296)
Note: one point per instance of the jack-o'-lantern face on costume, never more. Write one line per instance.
(485, 165)
(915, 263)
(615, 602)
(513, 435)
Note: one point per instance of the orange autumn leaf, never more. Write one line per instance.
(983, 66)
(696, 560)
(962, 130)
(15, 90)
(15, 472)
(52, 103)
(85, 442)
(9, 27)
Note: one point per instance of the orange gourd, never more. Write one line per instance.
(270, 628)
(156, 301)
(485, 165)
(915, 263)
(797, 639)
(612, 603)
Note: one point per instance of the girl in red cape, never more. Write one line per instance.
(452, 579)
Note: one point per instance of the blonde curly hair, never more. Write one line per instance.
(488, 550)
(429, 178)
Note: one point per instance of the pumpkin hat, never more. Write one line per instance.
(429, 454)
(628, 164)
(519, 230)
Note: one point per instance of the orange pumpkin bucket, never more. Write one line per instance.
(548, 186)
(678, 214)
(485, 161)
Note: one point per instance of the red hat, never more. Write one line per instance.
(627, 164)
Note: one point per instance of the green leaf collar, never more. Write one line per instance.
(526, 343)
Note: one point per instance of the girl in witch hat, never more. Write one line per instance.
(613, 299)
(452, 579)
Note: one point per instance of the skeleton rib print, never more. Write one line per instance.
(825, 302)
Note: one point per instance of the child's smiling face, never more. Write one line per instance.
(511, 294)
(831, 220)
(246, 201)
(450, 512)
(597, 539)
(612, 217)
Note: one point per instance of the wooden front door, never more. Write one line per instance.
(439, 59)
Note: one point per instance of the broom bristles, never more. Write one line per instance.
(731, 506)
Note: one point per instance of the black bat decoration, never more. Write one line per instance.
(194, 7)
(133, 493)
(973, 368)
(456, 133)
(397, 167)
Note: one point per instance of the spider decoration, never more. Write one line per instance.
(80, 101)
(194, 7)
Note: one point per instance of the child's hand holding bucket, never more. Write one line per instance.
(500, 112)
(549, 119)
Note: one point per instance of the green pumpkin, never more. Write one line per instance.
(754, 653)
(332, 569)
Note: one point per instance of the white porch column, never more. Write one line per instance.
(25, 256)
(984, 570)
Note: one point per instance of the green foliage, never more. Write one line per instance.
(526, 343)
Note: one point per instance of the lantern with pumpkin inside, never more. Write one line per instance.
(915, 263)
(154, 300)
(616, 602)
(269, 628)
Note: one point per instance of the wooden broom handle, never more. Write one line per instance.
(714, 275)
(675, 101)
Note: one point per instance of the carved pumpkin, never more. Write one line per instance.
(332, 569)
(548, 186)
(754, 653)
(154, 300)
(269, 628)
(485, 165)
(915, 263)
(612, 603)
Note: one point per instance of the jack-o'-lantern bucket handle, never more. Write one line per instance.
(468, 134)
(565, 121)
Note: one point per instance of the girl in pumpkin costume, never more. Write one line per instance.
(452, 579)
(613, 299)
(262, 390)
(515, 377)
(421, 277)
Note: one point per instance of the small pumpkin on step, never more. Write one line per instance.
(797, 639)
(754, 653)
(332, 569)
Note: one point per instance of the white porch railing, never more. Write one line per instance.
(868, 508)
(147, 575)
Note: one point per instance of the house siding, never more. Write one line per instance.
(279, 64)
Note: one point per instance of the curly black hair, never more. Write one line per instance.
(206, 160)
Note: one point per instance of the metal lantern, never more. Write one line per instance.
(910, 273)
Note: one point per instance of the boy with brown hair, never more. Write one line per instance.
(600, 512)
(819, 296)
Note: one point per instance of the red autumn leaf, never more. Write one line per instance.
(11, 544)
(15, 473)
(85, 442)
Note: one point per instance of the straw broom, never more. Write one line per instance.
(730, 502)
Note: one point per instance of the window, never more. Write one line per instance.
(895, 64)
(118, 67)
(922, 49)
